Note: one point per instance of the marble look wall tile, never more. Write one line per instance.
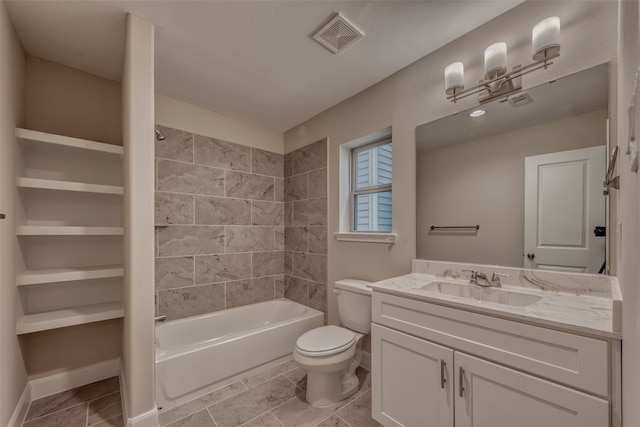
(222, 268)
(179, 240)
(310, 157)
(288, 263)
(318, 183)
(185, 302)
(251, 291)
(251, 403)
(172, 208)
(318, 296)
(288, 165)
(267, 263)
(249, 186)
(249, 239)
(267, 163)
(310, 212)
(296, 289)
(267, 213)
(310, 266)
(188, 178)
(288, 214)
(318, 239)
(278, 235)
(296, 239)
(178, 145)
(279, 286)
(221, 154)
(278, 189)
(175, 272)
(222, 211)
(296, 187)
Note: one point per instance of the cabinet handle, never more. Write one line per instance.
(443, 367)
(461, 382)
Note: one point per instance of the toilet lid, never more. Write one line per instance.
(325, 341)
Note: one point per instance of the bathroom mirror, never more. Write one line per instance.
(471, 187)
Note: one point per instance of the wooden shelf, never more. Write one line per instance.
(26, 135)
(34, 277)
(69, 317)
(49, 184)
(47, 230)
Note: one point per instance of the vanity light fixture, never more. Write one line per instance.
(498, 81)
(477, 113)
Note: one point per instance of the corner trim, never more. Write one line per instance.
(147, 419)
(22, 406)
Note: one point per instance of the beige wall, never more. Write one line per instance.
(13, 373)
(138, 121)
(629, 215)
(179, 115)
(415, 95)
(482, 182)
(69, 102)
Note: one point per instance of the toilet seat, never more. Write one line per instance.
(325, 341)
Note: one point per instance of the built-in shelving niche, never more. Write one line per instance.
(69, 231)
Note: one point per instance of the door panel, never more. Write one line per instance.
(494, 395)
(407, 380)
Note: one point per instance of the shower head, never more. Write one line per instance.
(159, 135)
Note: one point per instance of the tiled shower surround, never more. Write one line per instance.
(220, 216)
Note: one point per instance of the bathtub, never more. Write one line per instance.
(199, 354)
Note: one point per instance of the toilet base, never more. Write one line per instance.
(325, 389)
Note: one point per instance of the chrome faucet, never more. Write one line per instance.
(494, 282)
(161, 318)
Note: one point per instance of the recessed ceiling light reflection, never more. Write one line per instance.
(477, 113)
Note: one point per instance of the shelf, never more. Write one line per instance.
(27, 135)
(34, 277)
(69, 317)
(49, 184)
(47, 230)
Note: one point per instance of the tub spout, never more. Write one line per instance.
(161, 318)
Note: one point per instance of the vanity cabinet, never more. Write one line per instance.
(438, 366)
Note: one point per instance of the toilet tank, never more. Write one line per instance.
(354, 304)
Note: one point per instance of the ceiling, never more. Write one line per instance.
(252, 60)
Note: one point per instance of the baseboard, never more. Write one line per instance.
(366, 360)
(46, 386)
(22, 406)
(148, 419)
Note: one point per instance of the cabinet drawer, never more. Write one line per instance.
(566, 358)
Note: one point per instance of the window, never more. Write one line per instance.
(370, 187)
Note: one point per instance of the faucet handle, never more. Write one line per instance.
(495, 278)
(474, 276)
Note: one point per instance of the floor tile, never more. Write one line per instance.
(268, 374)
(358, 413)
(112, 422)
(171, 415)
(333, 421)
(264, 420)
(75, 416)
(104, 408)
(199, 419)
(69, 398)
(296, 412)
(298, 376)
(253, 402)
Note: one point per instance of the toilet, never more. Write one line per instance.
(331, 354)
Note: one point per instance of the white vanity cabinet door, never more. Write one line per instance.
(494, 395)
(412, 380)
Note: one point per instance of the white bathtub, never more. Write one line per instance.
(199, 354)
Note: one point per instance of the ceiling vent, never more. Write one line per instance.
(520, 99)
(338, 34)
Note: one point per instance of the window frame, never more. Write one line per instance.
(353, 192)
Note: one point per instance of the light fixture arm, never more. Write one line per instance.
(489, 85)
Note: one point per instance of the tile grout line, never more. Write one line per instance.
(54, 412)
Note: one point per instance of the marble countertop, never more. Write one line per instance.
(569, 303)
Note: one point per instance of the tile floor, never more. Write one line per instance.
(272, 398)
(97, 405)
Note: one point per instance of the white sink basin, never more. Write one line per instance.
(479, 294)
